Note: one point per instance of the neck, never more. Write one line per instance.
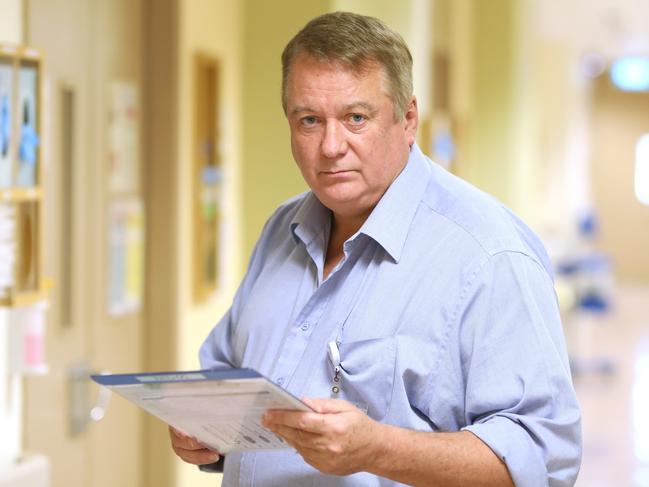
(344, 227)
(341, 229)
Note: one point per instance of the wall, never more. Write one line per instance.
(618, 120)
(11, 21)
(162, 220)
(489, 162)
(269, 173)
(212, 28)
(11, 395)
(552, 182)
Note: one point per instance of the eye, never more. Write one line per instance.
(357, 119)
(308, 121)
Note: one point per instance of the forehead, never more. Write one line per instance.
(309, 76)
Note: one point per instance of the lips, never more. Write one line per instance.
(337, 171)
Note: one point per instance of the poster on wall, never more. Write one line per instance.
(124, 138)
(29, 137)
(6, 117)
(7, 248)
(126, 256)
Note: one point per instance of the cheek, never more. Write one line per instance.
(302, 154)
(386, 151)
(299, 143)
(297, 146)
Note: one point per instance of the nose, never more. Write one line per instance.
(334, 143)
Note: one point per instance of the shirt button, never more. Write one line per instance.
(305, 326)
(280, 380)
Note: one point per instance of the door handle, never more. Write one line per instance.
(80, 410)
(98, 411)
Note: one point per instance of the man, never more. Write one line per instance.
(415, 314)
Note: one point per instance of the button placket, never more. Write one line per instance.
(299, 335)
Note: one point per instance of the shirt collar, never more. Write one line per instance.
(311, 220)
(389, 222)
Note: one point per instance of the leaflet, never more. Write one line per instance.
(222, 409)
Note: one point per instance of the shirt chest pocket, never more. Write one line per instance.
(367, 374)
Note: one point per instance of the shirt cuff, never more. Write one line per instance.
(511, 443)
(216, 467)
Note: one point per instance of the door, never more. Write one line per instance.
(619, 119)
(92, 52)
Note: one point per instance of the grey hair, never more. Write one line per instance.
(358, 42)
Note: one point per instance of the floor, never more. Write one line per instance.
(610, 357)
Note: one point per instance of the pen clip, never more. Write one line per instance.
(334, 358)
(334, 353)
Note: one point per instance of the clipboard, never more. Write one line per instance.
(221, 408)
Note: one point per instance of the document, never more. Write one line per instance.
(222, 409)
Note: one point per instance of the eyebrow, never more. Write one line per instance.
(300, 109)
(358, 104)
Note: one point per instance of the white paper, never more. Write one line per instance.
(224, 415)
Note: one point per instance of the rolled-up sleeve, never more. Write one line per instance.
(519, 397)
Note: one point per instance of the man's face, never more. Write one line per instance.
(344, 136)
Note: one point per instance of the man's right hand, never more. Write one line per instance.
(190, 450)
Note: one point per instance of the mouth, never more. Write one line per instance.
(337, 172)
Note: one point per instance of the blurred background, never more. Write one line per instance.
(143, 145)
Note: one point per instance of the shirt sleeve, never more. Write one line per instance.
(519, 397)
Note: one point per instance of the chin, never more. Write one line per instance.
(348, 206)
(338, 200)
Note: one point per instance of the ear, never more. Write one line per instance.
(411, 121)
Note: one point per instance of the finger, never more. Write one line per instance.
(298, 420)
(298, 438)
(175, 433)
(181, 440)
(328, 406)
(197, 457)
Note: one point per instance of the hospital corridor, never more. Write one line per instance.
(144, 145)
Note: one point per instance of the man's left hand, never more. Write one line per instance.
(337, 438)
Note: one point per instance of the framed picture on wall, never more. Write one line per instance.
(124, 138)
(20, 191)
(6, 121)
(28, 112)
(208, 179)
(126, 255)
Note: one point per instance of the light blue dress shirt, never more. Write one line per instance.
(445, 315)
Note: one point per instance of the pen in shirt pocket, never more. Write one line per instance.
(334, 358)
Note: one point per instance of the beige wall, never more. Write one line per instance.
(618, 120)
(11, 21)
(212, 28)
(488, 162)
(491, 96)
(269, 174)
